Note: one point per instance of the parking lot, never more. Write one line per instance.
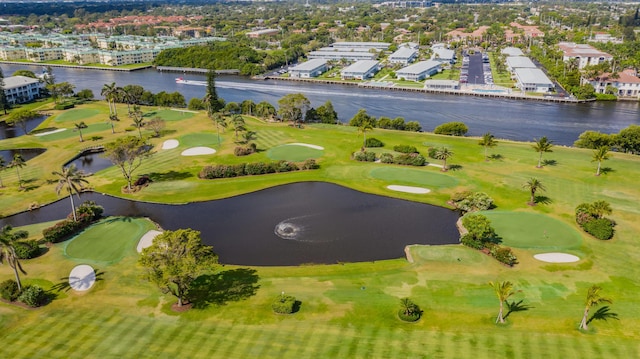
(476, 69)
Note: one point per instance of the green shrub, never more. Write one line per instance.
(33, 296)
(503, 255)
(64, 106)
(408, 317)
(285, 304)
(413, 126)
(405, 149)
(478, 201)
(96, 138)
(431, 152)
(129, 129)
(459, 196)
(364, 156)
(61, 230)
(373, 142)
(410, 159)
(409, 311)
(472, 242)
(309, 164)
(258, 168)
(89, 210)
(386, 158)
(601, 228)
(479, 228)
(27, 249)
(9, 290)
(452, 129)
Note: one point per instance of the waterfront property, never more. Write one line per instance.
(627, 84)
(443, 54)
(21, 89)
(532, 80)
(585, 54)
(342, 55)
(519, 62)
(379, 46)
(361, 70)
(311, 68)
(403, 55)
(512, 51)
(419, 71)
(442, 85)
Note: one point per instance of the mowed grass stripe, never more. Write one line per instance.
(268, 139)
(197, 338)
(113, 334)
(84, 335)
(49, 331)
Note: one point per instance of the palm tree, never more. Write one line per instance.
(600, 208)
(487, 141)
(17, 163)
(503, 290)
(8, 254)
(444, 153)
(3, 165)
(79, 127)
(542, 145)
(533, 185)
(113, 118)
(73, 179)
(238, 124)
(364, 127)
(138, 119)
(408, 307)
(593, 298)
(110, 93)
(599, 155)
(219, 121)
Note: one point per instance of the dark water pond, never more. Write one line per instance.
(90, 162)
(27, 153)
(309, 222)
(7, 131)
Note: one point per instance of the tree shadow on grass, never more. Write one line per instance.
(455, 167)
(549, 163)
(606, 170)
(169, 176)
(64, 285)
(496, 157)
(220, 288)
(543, 200)
(516, 307)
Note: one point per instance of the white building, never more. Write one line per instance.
(419, 71)
(585, 54)
(532, 80)
(512, 51)
(311, 68)
(379, 46)
(340, 55)
(20, 89)
(627, 83)
(442, 84)
(519, 62)
(442, 54)
(404, 55)
(12, 53)
(360, 70)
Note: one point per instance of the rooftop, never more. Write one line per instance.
(419, 67)
(572, 49)
(309, 65)
(520, 62)
(17, 81)
(532, 76)
(361, 66)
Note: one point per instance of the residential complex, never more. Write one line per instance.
(311, 68)
(419, 71)
(361, 70)
(626, 84)
(21, 89)
(585, 54)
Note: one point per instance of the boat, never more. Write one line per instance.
(180, 80)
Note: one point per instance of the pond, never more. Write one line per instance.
(300, 223)
(27, 153)
(7, 131)
(90, 162)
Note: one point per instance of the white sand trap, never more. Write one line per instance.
(556, 257)
(435, 165)
(315, 147)
(50, 132)
(169, 144)
(197, 151)
(181, 110)
(408, 189)
(82, 278)
(147, 240)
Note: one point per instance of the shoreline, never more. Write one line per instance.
(45, 64)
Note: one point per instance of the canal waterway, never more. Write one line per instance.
(308, 222)
(505, 118)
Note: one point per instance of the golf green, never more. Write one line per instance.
(169, 115)
(413, 176)
(533, 230)
(295, 153)
(72, 132)
(108, 240)
(199, 139)
(77, 115)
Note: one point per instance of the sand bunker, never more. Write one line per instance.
(50, 132)
(556, 257)
(82, 278)
(408, 189)
(197, 151)
(315, 147)
(435, 165)
(169, 144)
(147, 240)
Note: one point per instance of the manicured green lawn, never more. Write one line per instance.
(199, 139)
(76, 115)
(108, 240)
(293, 153)
(407, 175)
(169, 115)
(533, 230)
(71, 132)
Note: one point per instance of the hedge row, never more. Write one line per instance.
(86, 213)
(257, 168)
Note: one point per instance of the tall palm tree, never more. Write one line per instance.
(219, 121)
(593, 298)
(238, 124)
(487, 141)
(444, 153)
(503, 290)
(138, 119)
(73, 179)
(599, 155)
(3, 165)
(8, 254)
(533, 185)
(364, 127)
(79, 127)
(110, 93)
(600, 208)
(113, 118)
(17, 163)
(541, 146)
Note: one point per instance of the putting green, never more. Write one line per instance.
(199, 139)
(80, 114)
(169, 115)
(86, 133)
(293, 153)
(413, 176)
(108, 240)
(533, 230)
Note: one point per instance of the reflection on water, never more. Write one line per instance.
(27, 153)
(309, 222)
(7, 131)
(90, 162)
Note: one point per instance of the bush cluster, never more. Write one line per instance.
(601, 228)
(503, 255)
(64, 106)
(410, 311)
(452, 129)
(86, 213)
(245, 150)
(256, 168)
(9, 290)
(33, 296)
(373, 142)
(482, 236)
(364, 156)
(284, 304)
(405, 149)
(590, 216)
(407, 159)
(27, 249)
(472, 202)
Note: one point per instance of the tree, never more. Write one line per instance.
(292, 107)
(444, 153)
(364, 127)
(17, 163)
(138, 119)
(20, 118)
(327, 114)
(128, 154)
(487, 141)
(541, 146)
(4, 102)
(79, 127)
(264, 109)
(533, 185)
(628, 139)
(3, 166)
(25, 73)
(599, 155)
(113, 118)
(408, 306)
(157, 125)
(452, 129)
(238, 124)
(599, 209)
(247, 107)
(593, 299)
(175, 260)
(362, 117)
(110, 93)
(504, 290)
(220, 122)
(8, 253)
(73, 180)
(213, 103)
